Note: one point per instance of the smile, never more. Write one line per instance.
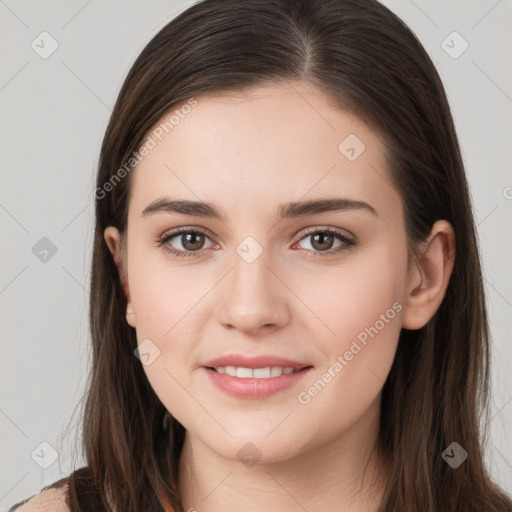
(254, 383)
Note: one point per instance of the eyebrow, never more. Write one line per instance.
(287, 210)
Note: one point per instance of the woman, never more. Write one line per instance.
(287, 309)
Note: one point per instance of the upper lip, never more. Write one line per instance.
(254, 362)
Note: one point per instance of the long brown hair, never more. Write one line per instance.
(367, 61)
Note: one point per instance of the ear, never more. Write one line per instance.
(113, 240)
(429, 275)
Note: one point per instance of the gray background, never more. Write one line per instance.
(54, 112)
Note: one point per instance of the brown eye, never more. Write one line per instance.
(322, 242)
(192, 241)
(185, 242)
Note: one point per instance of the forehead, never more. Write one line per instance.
(267, 144)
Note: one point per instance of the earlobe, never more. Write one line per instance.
(429, 276)
(113, 241)
(130, 315)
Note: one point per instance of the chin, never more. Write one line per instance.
(256, 449)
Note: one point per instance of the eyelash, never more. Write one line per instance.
(348, 243)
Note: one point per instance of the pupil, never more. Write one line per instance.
(188, 238)
(322, 238)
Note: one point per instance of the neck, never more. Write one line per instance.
(344, 474)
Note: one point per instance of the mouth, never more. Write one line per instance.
(254, 383)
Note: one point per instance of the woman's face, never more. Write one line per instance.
(266, 277)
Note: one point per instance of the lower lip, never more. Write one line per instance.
(254, 388)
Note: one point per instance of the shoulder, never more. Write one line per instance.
(53, 498)
(78, 491)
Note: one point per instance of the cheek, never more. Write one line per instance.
(166, 316)
(346, 299)
(363, 307)
(164, 296)
(168, 308)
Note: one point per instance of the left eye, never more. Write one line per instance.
(322, 242)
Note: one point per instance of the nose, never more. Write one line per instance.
(255, 297)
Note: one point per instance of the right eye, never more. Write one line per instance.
(191, 241)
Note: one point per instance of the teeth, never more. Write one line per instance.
(276, 371)
(256, 373)
(261, 373)
(244, 373)
(230, 370)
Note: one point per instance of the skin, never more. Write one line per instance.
(247, 153)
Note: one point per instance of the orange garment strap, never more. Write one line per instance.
(167, 506)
